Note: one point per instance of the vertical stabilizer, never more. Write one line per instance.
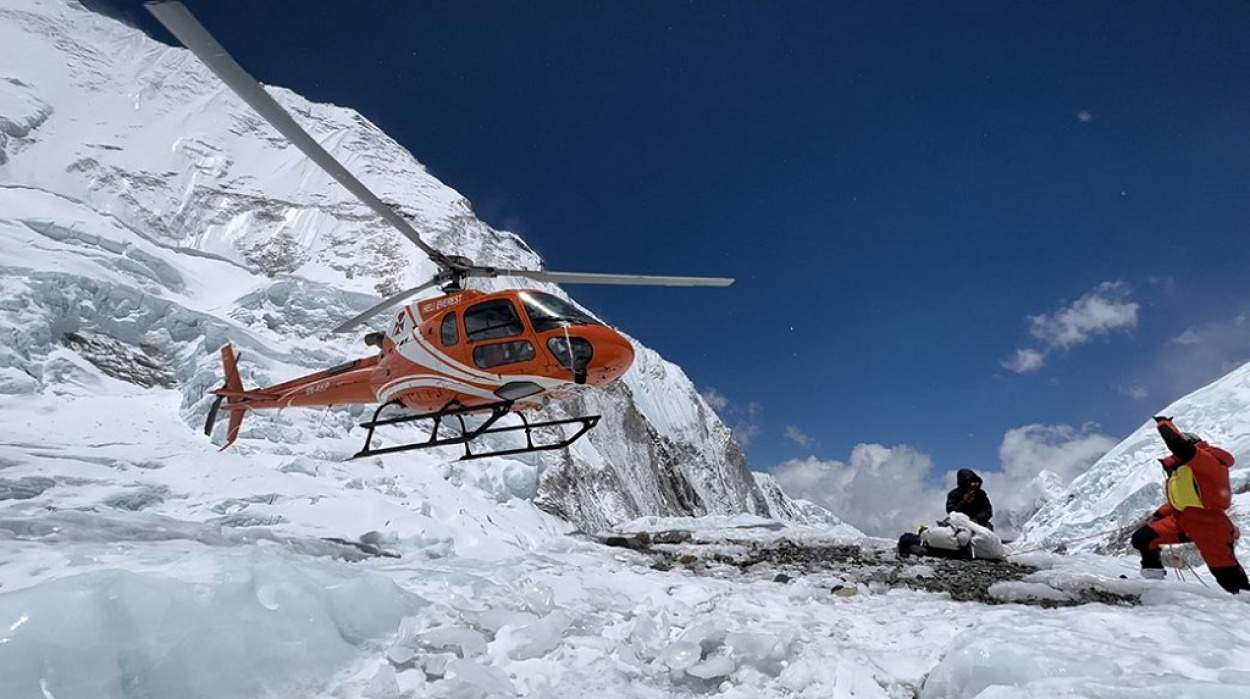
(232, 393)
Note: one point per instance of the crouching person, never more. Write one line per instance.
(955, 537)
(1198, 494)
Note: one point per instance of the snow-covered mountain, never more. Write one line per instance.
(151, 215)
(1100, 508)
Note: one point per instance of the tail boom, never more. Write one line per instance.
(340, 385)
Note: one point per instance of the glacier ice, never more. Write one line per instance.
(259, 624)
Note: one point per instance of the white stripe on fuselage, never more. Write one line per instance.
(390, 390)
(420, 352)
(394, 388)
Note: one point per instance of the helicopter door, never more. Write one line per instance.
(491, 320)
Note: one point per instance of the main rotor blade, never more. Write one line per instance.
(378, 308)
(590, 278)
(183, 25)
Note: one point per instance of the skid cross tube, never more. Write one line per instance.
(467, 435)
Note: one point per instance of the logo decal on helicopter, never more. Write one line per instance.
(438, 304)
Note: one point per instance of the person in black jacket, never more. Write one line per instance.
(970, 499)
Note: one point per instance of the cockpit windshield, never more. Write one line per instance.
(547, 312)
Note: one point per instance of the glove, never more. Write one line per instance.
(1160, 418)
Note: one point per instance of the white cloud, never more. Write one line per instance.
(744, 432)
(714, 398)
(1136, 391)
(1197, 356)
(1224, 345)
(1025, 361)
(1036, 456)
(1165, 284)
(1061, 449)
(1189, 337)
(797, 436)
(1085, 115)
(1104, 309)
(885, 491)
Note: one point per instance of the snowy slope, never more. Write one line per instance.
(1101, 506)
(143, 135)
(139, 562)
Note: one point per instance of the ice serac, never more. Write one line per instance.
(1100, 507)
(191, 222)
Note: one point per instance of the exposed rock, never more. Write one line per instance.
(281, 254)
(848, 566)
(143, 366)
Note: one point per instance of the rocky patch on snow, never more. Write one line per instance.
(850, 568)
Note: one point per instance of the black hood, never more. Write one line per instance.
(965, 476)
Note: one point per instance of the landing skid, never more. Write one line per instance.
(467, 435)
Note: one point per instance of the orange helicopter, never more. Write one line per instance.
(463, 353)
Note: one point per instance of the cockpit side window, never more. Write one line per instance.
(547, 312)
(491, 319)
(496, 353)
(449, 334)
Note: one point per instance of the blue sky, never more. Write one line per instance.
(948, 221)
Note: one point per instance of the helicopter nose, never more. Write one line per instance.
(612, 358)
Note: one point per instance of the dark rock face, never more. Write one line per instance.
(142, 366)
(640, 471)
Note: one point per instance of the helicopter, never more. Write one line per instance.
(463, 353)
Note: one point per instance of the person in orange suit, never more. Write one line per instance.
(1198, 494)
